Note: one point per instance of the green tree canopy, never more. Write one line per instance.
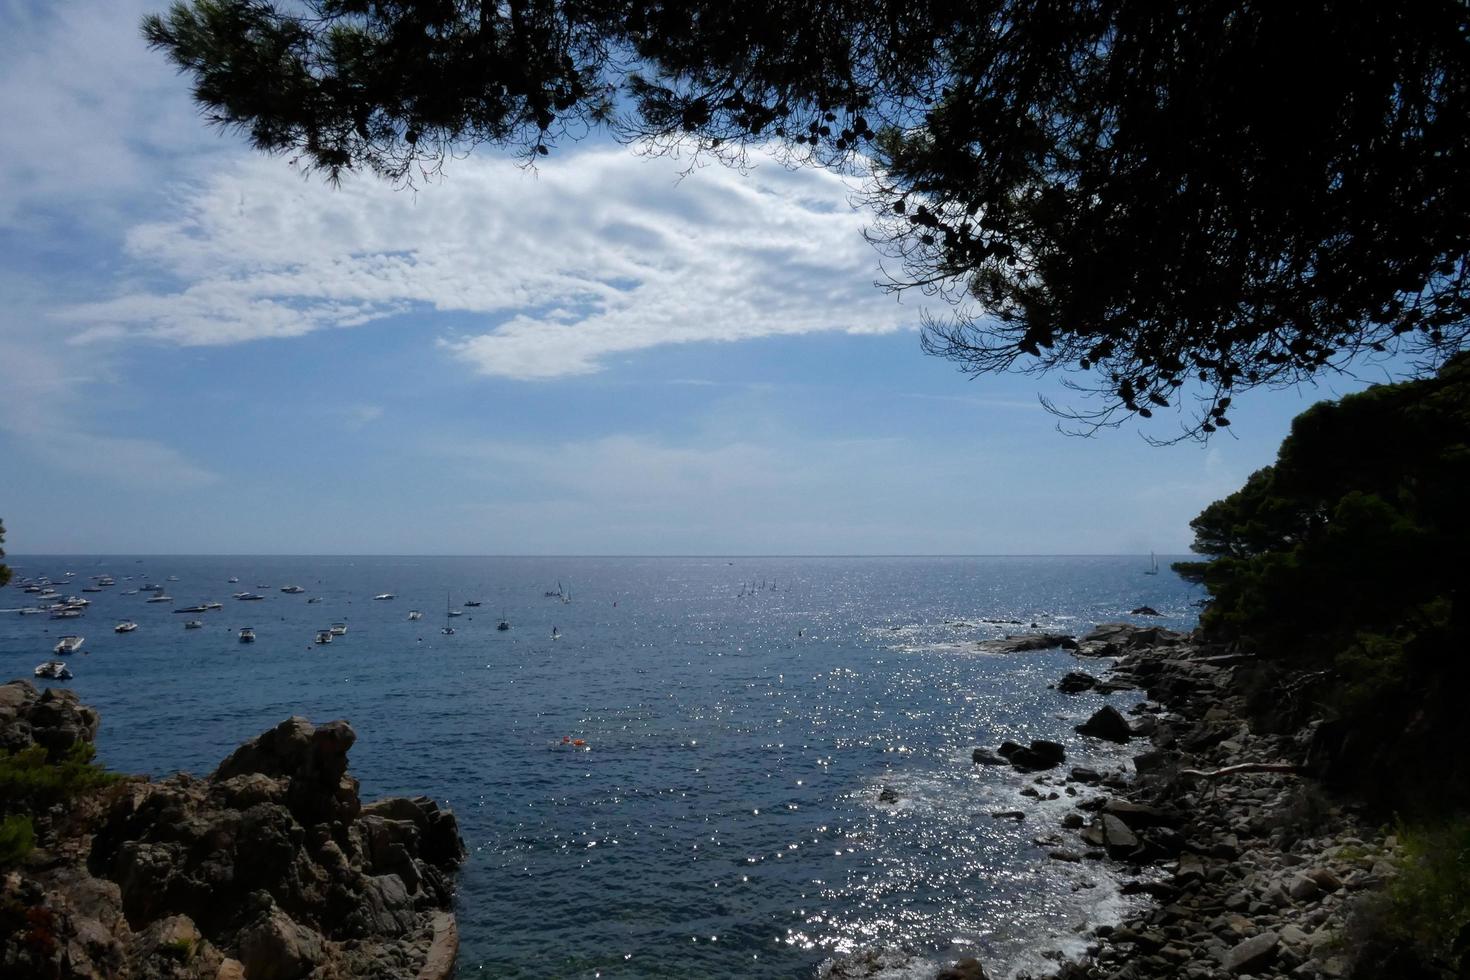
(1343, 562)
(1162, 201)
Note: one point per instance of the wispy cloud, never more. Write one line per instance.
(598, 254)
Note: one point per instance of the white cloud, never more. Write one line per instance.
(93, 119)
(598, 253)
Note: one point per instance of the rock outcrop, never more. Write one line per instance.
(269, 869)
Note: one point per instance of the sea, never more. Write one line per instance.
(689, 778)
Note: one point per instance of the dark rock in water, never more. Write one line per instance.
(1143, 611)
(1008, 815)
(985, 757)
(1082, 774)
(1072, 821)
(967, 969)
(271, 868)
(1076, 682)
(888, 795)
(1107, 723)
(1252, 954)
(1041, 754)
(1008, 748)
(1027, 643)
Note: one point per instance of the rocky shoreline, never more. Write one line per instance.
(1251, 870)
(270, 868)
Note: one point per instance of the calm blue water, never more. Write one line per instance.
(723, 819)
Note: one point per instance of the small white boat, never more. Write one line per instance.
(68, 644)
(160, 598)
(126, 626)
(384, 597)
(172, 578)
(412, 614)
(447, 630)
(292, 589)
(233, 579)
(65, 612)
(214, 605)
(338, 629)
(53, 670)
(247, 635)
(193, 624)
(324, 636)
(457, 612)
(313, 600)
(248, 596)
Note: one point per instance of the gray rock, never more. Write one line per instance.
(1076, 682)
(985, 757)
(1251, 954)
(1109, 832)
(1107, 723)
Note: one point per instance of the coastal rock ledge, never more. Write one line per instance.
(271, 868)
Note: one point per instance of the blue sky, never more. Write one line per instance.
(202, 352)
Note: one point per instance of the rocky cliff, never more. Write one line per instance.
(271, 868)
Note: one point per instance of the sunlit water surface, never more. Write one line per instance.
(723, 818)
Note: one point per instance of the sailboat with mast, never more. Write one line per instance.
(447, 630)
(1153, 564)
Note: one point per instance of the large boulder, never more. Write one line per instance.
(1040, 754)
(1107, 723)
(1076, 682)
(1108, 832)
(53, 718)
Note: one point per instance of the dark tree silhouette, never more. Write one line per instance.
(1158, 200)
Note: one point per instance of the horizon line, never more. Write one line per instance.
(11, 558)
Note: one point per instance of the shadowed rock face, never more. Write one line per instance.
(271, 868)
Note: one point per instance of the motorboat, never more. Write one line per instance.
(456, 612)
(313, 600)
(53, 670)
(126, 626)
(193, 624)
(160, 598)
(91, 588)
(472, 602)
(292, 589)
(234, 579)
(504, 623)
(76, 600)
(214, 605)
(247, 635)
(324, 636)
(150, 587)
(412, 614)
(106, 580)
(189, 609)
(248, 596)
(338, 629)
(385, 596)
(130, 592)
(65, 612)
(172, 578)
(68, 644)
(447, 630)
